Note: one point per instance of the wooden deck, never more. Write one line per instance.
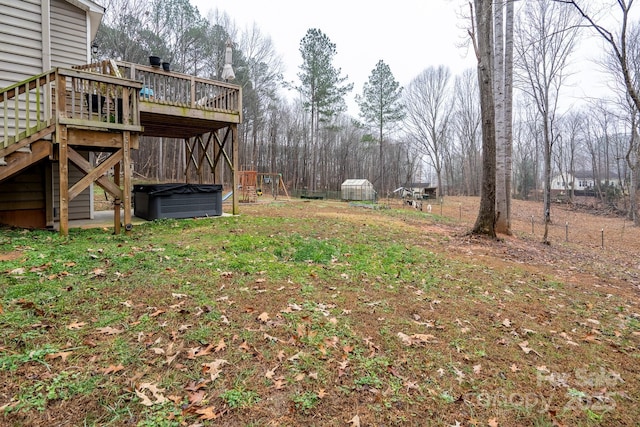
(175, 105)
(106, 107)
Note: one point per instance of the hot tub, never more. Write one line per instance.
(157, 201)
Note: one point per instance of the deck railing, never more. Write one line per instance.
(99, 100)
(174, 89)
(24, 108)
(69, 97)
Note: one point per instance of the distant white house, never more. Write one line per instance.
(580, 182)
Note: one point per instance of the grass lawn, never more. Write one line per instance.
(319, 313)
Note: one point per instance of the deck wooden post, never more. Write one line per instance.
(117, 202)
(234, 169)
(63, 159)
(126, 178)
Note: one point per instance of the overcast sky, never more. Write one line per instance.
(408, 35)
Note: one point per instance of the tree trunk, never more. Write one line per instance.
(508, 109)
(547, 180)
(499, 96)
(485, 222)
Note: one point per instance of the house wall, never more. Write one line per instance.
(21, 47)
(29, 46)
(21, 199)
(69, 39)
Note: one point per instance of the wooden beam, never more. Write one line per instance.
(96, 174)
(63, 169)
(117, 202)
(126, 177)
(24, 142)
(94, 124)
(234, 168)
(96, 138)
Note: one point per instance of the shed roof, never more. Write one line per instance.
(356, 182)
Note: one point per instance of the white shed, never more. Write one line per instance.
(358, 189)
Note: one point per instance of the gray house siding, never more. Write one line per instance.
(21, 35)
(68, 48)
(69, 38)
(27, 48)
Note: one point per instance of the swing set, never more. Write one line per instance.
(255, 184)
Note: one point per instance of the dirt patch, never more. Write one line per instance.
(10, 256)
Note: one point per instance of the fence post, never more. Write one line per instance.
(531, 224)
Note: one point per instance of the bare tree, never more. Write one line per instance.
(621, 45)
(429, 107)
(545, 39)
(503, 78)
(482, 36)
(466, 125)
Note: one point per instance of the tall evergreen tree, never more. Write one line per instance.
(380, 105)
(321, 84)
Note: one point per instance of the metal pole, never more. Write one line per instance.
(460, 211)
(602, 237)
(566, 231)
(531, 224)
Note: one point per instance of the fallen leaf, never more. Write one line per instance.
(271, 373)
(264, 317)
(321, 393)
(524, 345)
(406, 339)
(492, 422)
(196, 396)
(155, 391)
(477, 369)
(213, 368)
(506, 323)
(62, 355)
(221, 345)
(112, 369)
(108, 330)
(76, 325)
(355, 421)
(179, 295)
(208, 413)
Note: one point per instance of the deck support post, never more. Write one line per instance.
(117, 200)
(63, 166)
(234, 168)
(126, 191)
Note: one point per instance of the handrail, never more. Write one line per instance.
(28, 113)
(89, 99)
(174, 89)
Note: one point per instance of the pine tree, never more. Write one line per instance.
(380, 105)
